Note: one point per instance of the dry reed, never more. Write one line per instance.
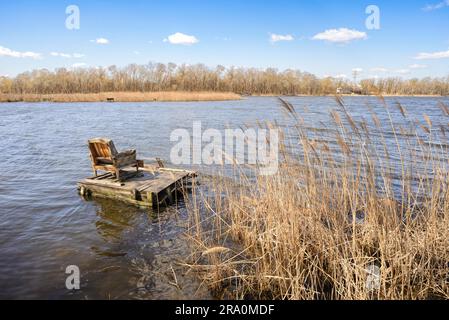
(342, 218)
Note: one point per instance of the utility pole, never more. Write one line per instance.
(355, 73)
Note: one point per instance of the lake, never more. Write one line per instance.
(122, 252)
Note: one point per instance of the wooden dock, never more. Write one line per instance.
(151, 186)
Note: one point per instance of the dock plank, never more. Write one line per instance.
(151, 187)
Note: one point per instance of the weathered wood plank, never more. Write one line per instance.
(154, 188)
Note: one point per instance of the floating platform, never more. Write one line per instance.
(151, 186)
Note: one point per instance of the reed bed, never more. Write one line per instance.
(122, 97)
(349, 220)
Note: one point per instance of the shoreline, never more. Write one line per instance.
(166, 96)
(354, 95)
(159, 96)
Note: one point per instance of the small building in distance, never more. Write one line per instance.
(354, 90)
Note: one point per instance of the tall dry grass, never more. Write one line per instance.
(342, 219)
(122, 97)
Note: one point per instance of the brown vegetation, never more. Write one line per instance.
(160, 77)
(330, 217)
(122, 97)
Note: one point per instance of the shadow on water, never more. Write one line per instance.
(138, 255)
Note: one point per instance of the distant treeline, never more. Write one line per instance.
(171, 77)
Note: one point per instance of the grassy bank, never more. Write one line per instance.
(342, 220)
(122, 97)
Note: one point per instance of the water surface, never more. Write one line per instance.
(123, 252)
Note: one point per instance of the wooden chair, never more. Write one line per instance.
(104, 156)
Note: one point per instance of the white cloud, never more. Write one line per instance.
(436, 6)
(5, 52)
(379, 69)
(340, 76)
(67, 55)
(279, 37)
(342, 35)
(181, 38)
(432, 55)
(417, 66)
(78, 65)
(357, 70)
(59, 54)
(100, 41)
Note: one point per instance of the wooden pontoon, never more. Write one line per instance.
(151, 186)
(130, 180)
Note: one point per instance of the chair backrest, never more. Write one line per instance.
(101, 148)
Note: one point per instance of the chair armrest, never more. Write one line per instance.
(126, 158)
(126, 153)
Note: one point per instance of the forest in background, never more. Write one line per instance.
(154, 77)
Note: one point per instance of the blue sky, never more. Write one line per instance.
(322, 37)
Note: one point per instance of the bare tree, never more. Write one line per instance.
(199, 77)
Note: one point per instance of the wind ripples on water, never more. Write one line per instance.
(127, 252)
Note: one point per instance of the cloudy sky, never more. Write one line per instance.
(328, 38)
